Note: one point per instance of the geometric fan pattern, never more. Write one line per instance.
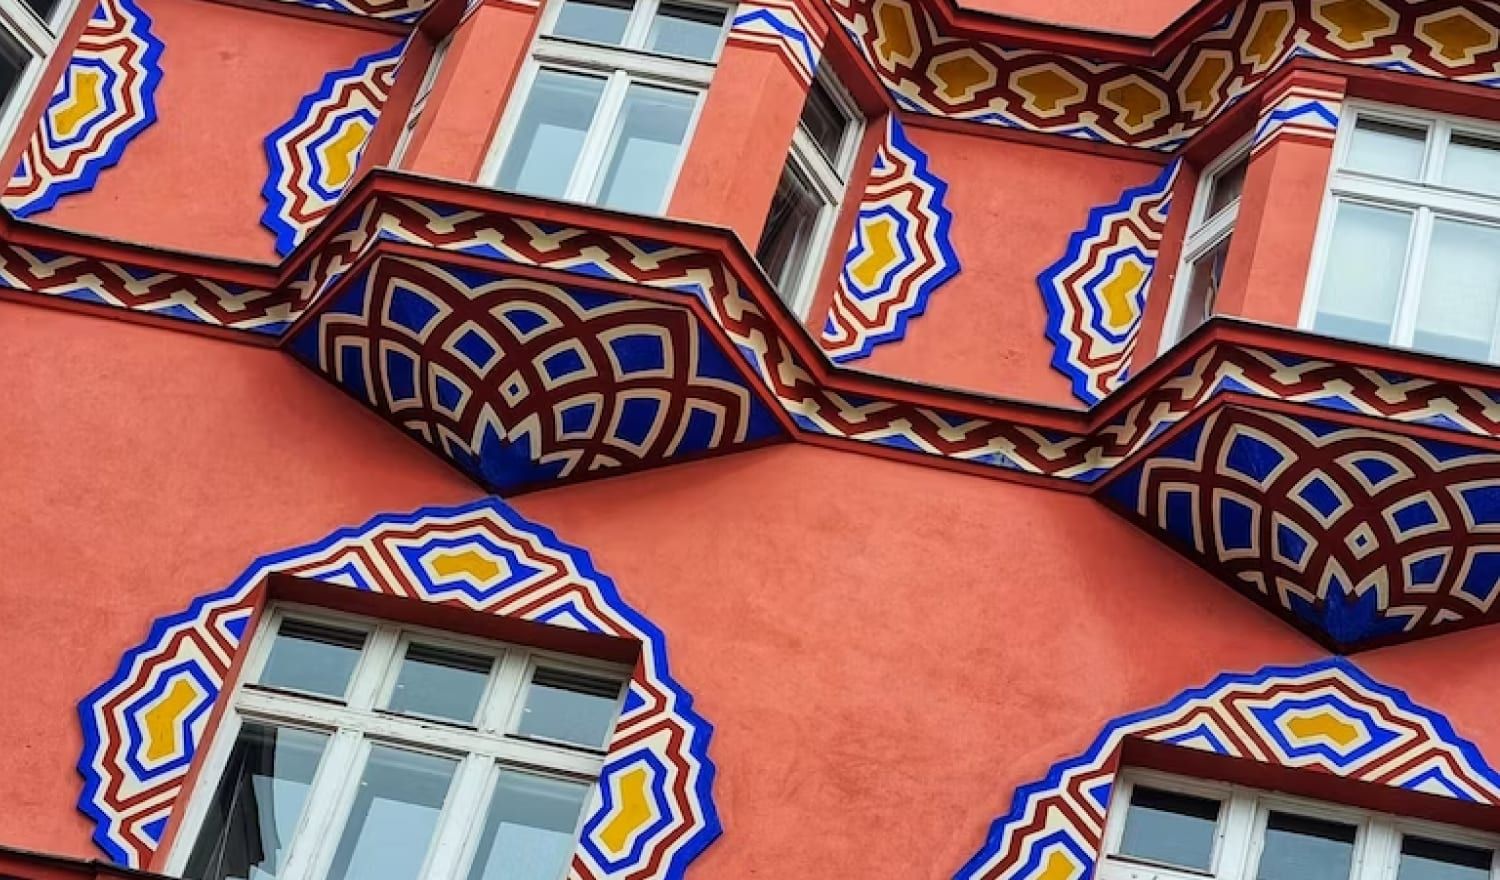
(313, 155)
(900, 252)
(521, 383)
(1354, 534)
(1096, 293)
(652, 811)
(1326, 717)
(930, 66)
(105, 97)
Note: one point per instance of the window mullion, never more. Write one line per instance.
(327, 806)
(589, 171)
(1237, 844)
(369, 675)
(639, 26)
(1408, 300)
(507, 694)
(462, 817)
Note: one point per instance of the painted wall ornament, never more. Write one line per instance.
(1328, 716)
(1161, 102)
(900, 252)
(313, 155)
(652, 812)
(1096, 293)
(784, 26)
(104, 99)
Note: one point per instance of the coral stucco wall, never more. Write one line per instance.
(1014, 206)
(1143, 18)
(230, 76)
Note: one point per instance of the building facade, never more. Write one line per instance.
(658, 439)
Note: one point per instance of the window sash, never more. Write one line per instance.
(358, 724)
(34, 41)
(1204, 233)
(1240, 835)
(1427, 198)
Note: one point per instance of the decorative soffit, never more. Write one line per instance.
(652, 812)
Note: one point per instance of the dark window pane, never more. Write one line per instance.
(1171, 828)
(1207, 274)
(824, 121)
(254, 813)
(570, 707)
(43, 8)
(12, 62)
(394, 815)
(1299, 848)
(541, 155)
(788, 231)
(528, 832)
(312, 658)
(598, 21)
(439, 683)
(1228, 184)
(1423, 859)
(688, 31)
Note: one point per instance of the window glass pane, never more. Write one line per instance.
(1387, 149)
(528, 832)
(824, 121)
(394, 814)
(1366, 256)
(1206, 274)
(1171, 828)
(689, 31)
(312, 658)
(12, 61)
(1299, 848)
(788, 231)
(254, 813)
(1227, 186)
(43, 8)
(1423, 859)
(570, 707)
(652, 128)
(439, 683)
(1460, 291)
(539, 159)
(598, 21)
(1472, 164)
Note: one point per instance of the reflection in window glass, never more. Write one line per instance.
(1170, 828)
(1387, 149)
(598, 21)
(823, 120)
(440, 683)
(1207, 274)
(1472, 164)
(528, 831)
(395, 812)
(687, 31)
(1228, 185)
(788, 230)
(1423, 859)
(1456, 313)
(570, 707)
(1299, 848)
(1362, 276)
(12, 63)
(43, 8)
(546, 144)
(312, 658)
(255, 810)
(653, 126)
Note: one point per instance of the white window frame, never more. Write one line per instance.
(37, 40)
(419, 102)
(829, 177)
(356, 724)
(1240, 836)
(1203, 234)
(621, 66)
(1426, 198)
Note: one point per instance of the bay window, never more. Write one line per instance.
(357, 749)
(799, 227)
(1409, 243)
(1163, 827)
(610, 99)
